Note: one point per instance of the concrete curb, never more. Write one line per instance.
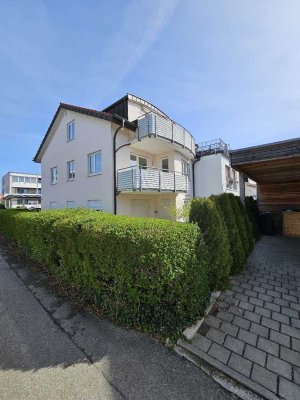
(191, 331)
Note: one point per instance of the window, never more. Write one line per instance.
(71, 170)
(27, 179)
(21, 179)
(165, 164)
(39, 191)
(15, 179)
(140, 161)
(39, 180)
(71, 131)
(231, 178)
(70, 204)
(95, 205)
(185, 168)
(22, 190)
(53, 204)
(33, 180)
(95, 163)
(54, 175)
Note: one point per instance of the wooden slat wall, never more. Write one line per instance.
(276, 198)
(291, 224)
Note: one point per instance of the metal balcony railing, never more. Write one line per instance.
(152, 124)
(151, 179)
(212, 147)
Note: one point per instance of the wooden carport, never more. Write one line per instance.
(276, 169)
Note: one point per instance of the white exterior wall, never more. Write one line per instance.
(6, 184)
(210, 176)
(91, 135)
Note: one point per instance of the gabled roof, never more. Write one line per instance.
(87, 111)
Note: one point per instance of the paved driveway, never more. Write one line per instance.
(253, 332)
(49, 350)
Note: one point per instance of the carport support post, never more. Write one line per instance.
(242, 186)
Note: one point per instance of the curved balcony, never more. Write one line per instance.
(154, 125)
(138, 178)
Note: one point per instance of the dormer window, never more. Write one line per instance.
(71, 130)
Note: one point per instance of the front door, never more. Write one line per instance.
(140, 208)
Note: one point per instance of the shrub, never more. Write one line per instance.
(236, 247)
(248, 225)
(240, 222)
(252, 212)
(205, 213)
(2, 205)
(144, 272)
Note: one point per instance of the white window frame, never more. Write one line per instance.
(92, 157)
(71, 130)
(97, 208)
(138, 161)
(71, 170)
(51, 203)
(161, 163)
(53, 176)
(70, 203)
(186, 168)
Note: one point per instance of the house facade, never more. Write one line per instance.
(213, 173)
(129, 159)
(21, 190)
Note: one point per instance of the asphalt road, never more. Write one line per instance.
(48, 350)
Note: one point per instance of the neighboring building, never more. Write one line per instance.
(21, 190)
(129, 159)
(212, 171)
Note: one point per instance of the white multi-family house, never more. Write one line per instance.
(212, 171)
(21, 190)
(129, 159)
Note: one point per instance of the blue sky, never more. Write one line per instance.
(221, 68)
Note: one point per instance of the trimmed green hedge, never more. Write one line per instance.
(252, 212)
(205, 213)
(236, 246)
(247, 224)
(240, 220)
(141, 272)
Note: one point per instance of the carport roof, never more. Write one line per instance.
(277, 162)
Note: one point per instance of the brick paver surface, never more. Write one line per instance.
(254, 327)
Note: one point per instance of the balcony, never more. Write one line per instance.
(212, 147)
(154, 125)
(137, 178)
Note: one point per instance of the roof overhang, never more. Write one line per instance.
(81, 110)
(277, 162)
